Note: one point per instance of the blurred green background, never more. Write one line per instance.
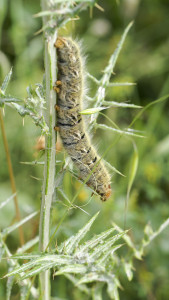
(144, 60)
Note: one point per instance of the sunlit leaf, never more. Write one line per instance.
(133, 169)
(90, 111)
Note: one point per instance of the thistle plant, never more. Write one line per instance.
(96, 262)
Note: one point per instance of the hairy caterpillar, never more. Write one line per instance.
(70, 124)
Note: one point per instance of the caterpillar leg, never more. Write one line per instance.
(58, 82)
(59, 43)
(56, 128)
(56, 88)
(57, 107)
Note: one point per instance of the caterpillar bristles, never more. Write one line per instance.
(75, 139)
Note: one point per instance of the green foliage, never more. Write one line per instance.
(94, 261)
(33, 106)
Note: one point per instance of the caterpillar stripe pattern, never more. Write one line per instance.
(70, 124)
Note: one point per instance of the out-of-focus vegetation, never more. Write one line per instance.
(144, 60)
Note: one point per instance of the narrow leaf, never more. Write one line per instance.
(93, 276)
(103, 248)
(116, 53)
(120, 104)
(8, 230)
(121, 84)
(123, 132)
(44, 260)
(28, 245)
(113, 168)
(133, 170)
(2, 204)
(108, 253)
(112, 288)
(73, 241)
(6, 81)
(128, 241)
(7, 100)
(89, 245)
(37, 270)
(97, 291)
(9, 285)
(132, 175)
(53, 12)
(75, 268)
(90, 111)
(128, 267)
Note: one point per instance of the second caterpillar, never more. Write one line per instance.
(69, 87)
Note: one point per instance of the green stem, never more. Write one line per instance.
(50, 141)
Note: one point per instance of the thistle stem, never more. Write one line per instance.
(50, 141)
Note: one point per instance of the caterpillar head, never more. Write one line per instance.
(106, 194)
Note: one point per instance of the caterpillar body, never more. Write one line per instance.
(70, 124)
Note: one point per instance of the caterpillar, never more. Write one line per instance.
(70, 123)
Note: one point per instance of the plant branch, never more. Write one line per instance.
(50, 140)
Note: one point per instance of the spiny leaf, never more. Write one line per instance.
(6, 82)
(106, 245)
(27, 256)
(112, 288)
(123, 132)
(75, 268)
(128, 267)
(116, 53)
(22, 110)
(151, 235)
(9, 285)
(97, 291)
(8, 100)
(73, 241)
(104, 81)
(36, 270)
(44, 260)
(93, 276)
(89, 245)
(128, 241)
(107, 254)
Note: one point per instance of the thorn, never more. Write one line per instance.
(99, 7)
